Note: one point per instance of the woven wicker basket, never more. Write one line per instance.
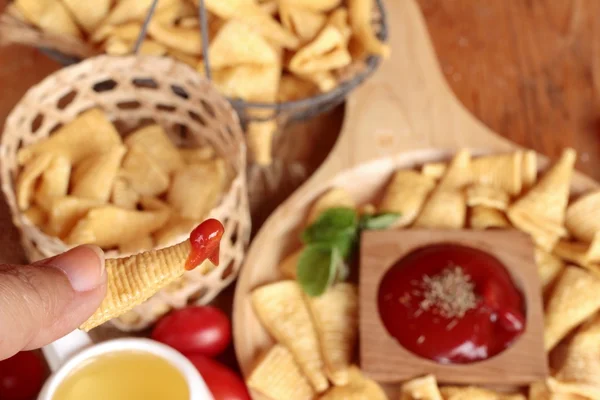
(134, 91)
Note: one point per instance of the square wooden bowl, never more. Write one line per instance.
(386, 361)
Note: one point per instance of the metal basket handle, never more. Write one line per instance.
(203, 33)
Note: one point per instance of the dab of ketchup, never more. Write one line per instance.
(451, 304)
(206, 242)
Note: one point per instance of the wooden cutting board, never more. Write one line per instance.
(404, 115)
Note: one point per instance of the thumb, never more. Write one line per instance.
(42, 302)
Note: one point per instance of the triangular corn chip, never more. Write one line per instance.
(579, 253)
(292, 88)
(483, 217)
(195, 191)
(174, 231)
(574, 299)
(28, 177)
(504, 171)
(315, 5)
(128, 32)
(326, 52)
(434, 170)
(197, 154)
(278, 377)
(360, 18)
(359, 388)
(271, 30)
(186, 40)
(549, 266)
(260, 140)
(238, 44)
(189, 22)
(424, 388)
(304, 23)
(123, 195)
(406, 194)
(445, 209)
(270, 7)
(529, 169)
(280, 307)
(541, 391)
(36, 215)
(179, 10)
(333, 198)
(458, 174)
(117, 47)
(289, 265)
(88, 14)
(582, 361)
(109, 226)
(227, 9)
(143, 174)
(66, 212)
(154, 141)
(54, 182)
(149, 203)
(133, 10)
(574, 391)
(543, 207)
(97, 181)
(151, 48)
(324, 80)
(49, 15)
(471, 392)
(90, 133)
(250, 82)
(137, 245)
(583, 216)
(488, 196)
(335, 315)
(190, 60)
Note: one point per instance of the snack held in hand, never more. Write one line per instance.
(471, 311)
(134, 279)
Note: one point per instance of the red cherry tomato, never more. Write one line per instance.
(223, 383)
(203, 330)
(21, 376)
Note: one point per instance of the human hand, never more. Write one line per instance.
(44, 301)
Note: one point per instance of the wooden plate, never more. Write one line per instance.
(403, 116)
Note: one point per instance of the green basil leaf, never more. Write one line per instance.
(379, 221)
(317, 268)
(335, 225)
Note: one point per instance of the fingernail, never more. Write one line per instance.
(83, 266)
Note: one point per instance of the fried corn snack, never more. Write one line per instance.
(483, 217)
(250, 82)
(271, 30)
(133, 10)
(128, 32)
(74, 140)
(197, 155)
(458, 174)
(360, 12)
(549, 266)
(153, 140)
(324, 80)
(335, 315)
(317, 5)
(186, 40)
(541, 212)
(359, 388)
(470, 392)
(326, 52)
(278, 377)
(28, 177)
(123, 195)
(445, 209)
(109, 226)
(529, 169)
(424, 388)
(579, 253)
(134, 279)
(143, 174)
(88, 15)
(304, 23)
(575, 391)
(281, 308)
(434, 170)
(405, 194)
(582, 362)
(583, 216)
(54, 182)
(49, 15)
(97, 180)
(293, 88)
(36, 215)
(288, 266)
(574, 299)
(488, 196)
(173, 230)
(504, 171)
(64, 213)
(333, 198)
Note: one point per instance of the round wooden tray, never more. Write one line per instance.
(404, 116)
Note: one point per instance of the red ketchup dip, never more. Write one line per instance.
(452, 304)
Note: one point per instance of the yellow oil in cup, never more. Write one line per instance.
(124, 375)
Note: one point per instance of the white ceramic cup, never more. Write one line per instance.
(67, 353)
